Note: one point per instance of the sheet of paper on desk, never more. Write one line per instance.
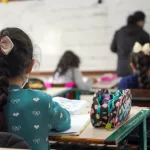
(78, 124)
(74, 107)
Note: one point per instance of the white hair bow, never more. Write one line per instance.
(139, 48)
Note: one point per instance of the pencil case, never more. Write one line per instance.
(110, 113)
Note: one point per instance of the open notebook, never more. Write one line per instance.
(74, 107)
(78, 124)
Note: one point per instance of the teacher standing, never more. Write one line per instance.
(125, 38)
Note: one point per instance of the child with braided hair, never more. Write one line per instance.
(140, 64)
(28, 113)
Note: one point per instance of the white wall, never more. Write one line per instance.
(80, 25)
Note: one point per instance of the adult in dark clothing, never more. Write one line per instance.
(125, 38)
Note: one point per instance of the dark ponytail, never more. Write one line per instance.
(4, 83)
(142, 65)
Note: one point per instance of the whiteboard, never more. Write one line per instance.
(82, 26)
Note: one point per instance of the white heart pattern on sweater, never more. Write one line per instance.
(36, 126)
(36, 99)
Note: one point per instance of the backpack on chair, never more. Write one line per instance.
(36, 84)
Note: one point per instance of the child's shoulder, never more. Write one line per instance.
(130, 81)
(37, 94)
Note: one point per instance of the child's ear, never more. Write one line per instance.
(132, 66)
(29, 69)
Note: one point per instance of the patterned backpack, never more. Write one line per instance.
(110, 112)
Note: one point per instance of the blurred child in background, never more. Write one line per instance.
(68, 71)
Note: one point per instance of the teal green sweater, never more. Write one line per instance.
(32, 115)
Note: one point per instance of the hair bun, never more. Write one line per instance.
(131, 19)
(137, 16)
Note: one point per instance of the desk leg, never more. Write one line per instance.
(143, 135)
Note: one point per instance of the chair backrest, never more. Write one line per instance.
(57, 85)
(70, 95)
(67, 85)
(140, 97)
(9, 140)
(141, 93)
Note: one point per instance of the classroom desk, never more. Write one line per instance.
(93, 135)
(59, 91)
(107, 85)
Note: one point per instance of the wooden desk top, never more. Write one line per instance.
(107, 85)
(103, 136)
(56, 91)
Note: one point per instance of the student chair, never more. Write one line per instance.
(70, 95)
(140, 97)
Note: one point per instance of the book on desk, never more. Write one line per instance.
(78, 124)
(74, 107)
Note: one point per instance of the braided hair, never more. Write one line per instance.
(4, 83)
(142, 66)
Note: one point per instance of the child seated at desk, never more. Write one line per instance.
(28, 113)
(68, 71)
(140, 64)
